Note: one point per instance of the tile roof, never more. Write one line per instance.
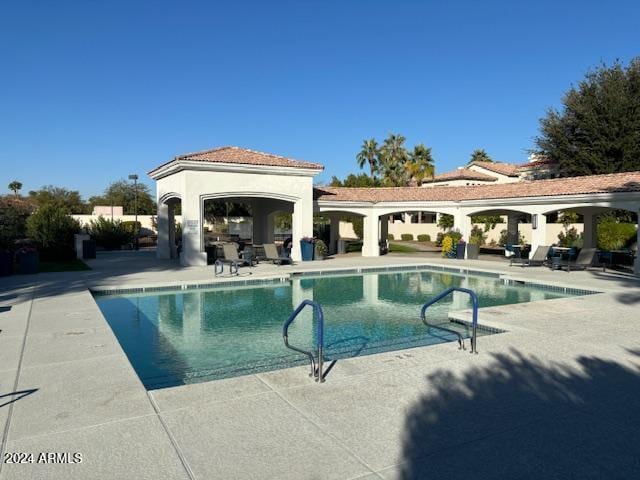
(245, 156)
(508, 169)
(463, 174)
(614, 182)
(535, 163)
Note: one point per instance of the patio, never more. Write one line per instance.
(553, 397)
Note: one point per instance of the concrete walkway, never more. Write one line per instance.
(553, 397)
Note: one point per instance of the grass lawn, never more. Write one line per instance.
(74, 265)
(396, 247)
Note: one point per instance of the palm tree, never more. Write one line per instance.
(393, 159)
(420, 164)
(15, 187)
(479, 155)
(369, 154)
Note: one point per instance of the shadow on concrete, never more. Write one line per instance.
(521, 418)
(15, 396)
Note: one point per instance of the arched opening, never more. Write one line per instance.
(612, 231)
(248, 222)
(412, 231)
(169, 226)
(500, 231)
(341, 230)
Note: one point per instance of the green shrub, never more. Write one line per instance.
(424, 238)
(477, 236)
(321, 248)
(615, 236)
(132, 227)
(14, 213)
(390, 236)
(504, 235)
(109, 234)
(570, 238)
(448, 246)
(445, 222)
(53, 230)
(407, 237)
(439, 238)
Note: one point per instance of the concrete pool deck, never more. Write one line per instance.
(553, 397)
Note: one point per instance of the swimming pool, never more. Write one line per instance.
(187, 336)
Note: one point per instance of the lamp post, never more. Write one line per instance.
(134, 177)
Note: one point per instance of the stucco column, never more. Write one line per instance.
(334, 234)
(164, 249)
(590, 230)
(192, 251)
(259, 221)
(301, 225)
(538, 234)
(512, 229)
(462, 223)
(371, 234)
(384, 227)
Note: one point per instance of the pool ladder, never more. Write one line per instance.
(474, 323)
(316, 366)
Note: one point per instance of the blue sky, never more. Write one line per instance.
(91, 91)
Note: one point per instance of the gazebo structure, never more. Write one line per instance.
(271, 184)
(268, 183)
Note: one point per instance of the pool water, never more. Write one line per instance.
(186, 336)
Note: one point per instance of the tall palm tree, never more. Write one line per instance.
(393, 159)
(369, 154)
(15, 187)
(479, 155)
(420, 164)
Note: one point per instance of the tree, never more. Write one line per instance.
(369, 154)
(393, 160)
(14, 213)
(53, 228)
(15, 187)
(123, 193)
(479, 155)
(420, 164)
(360, 180)
(69, 199)
(598, 128)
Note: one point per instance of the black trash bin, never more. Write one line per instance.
(88, 249)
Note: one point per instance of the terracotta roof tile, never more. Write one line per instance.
(508, 169)
(463, 174)
(615, 182)
(245, 156)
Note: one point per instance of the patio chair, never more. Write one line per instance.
(271, 255)
(586, 258)
(231, 258)
(539, 258)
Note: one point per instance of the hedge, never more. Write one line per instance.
(424, 238)
(390, 236)
(407, 237)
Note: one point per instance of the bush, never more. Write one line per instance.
(407, 237)
(390, 236)
(321, 248)
(424, 238)
(14, 213)
(439, 238)
(477, 236)
(503, 238)
(615, 236)
(448, 246)
(132, 227)
(445, 222)
(570, 238)
(109, 234)
(53, 229)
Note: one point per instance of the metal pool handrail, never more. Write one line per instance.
(315, 371)
(474, 323)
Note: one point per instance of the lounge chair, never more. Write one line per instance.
(539, 258)
(271, 255)
(586, 258)
(231, 258)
